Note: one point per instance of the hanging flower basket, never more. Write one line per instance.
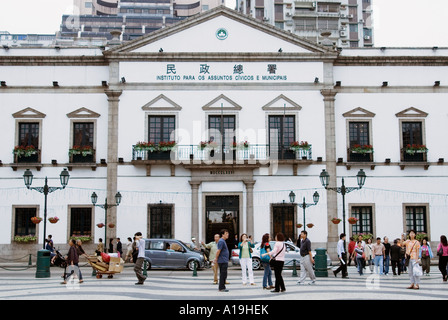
(352, 220)
(36, 220)
(310, 225)
(100, 225)
(53, 219)
(336, 220)
(299, 225)
(111, 225)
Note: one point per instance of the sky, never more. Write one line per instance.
(397, 23)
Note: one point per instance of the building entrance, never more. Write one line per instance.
(222, 212)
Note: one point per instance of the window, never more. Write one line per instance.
(23, 225)
(88, 5)
(285, 127)
(365, 216)
(416, 218)
(28, 137)
(83, 138)
(160, 128)
(161, 224)
(283, 220)
(328, 24)
(306, 24)
(81, 221)
(222, 131)
(412, 135)
(359, 136)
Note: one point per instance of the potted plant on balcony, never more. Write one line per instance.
(145, 146)
(415, 148)
(82, 237)
(362, 149)
(22, 151)
(243, 145)
(297, 146)
(81, 150)
(166, 146)
(36, 220)
(53, 219)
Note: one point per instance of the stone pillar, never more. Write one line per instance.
(195, 209)
(112, 159)
(330, 155)
(250, 207)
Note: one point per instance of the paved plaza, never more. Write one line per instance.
(182, 285)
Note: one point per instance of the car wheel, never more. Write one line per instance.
(148, 265)
(256, 264)
(191, 264)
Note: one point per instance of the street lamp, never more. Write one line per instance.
(105, 206)
(28, 180)
(305, 205)
(325, 180)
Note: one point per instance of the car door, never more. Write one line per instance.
(291, 254)
(175, 255)
(157, 253)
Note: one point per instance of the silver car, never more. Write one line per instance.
(292, 253)
(172, 254)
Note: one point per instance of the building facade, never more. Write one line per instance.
(250, 124)
(346, 23)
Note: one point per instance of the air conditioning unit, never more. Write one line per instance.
(366, 37)
(350, 16)
(343, 33)
(265, 19)
(288, 14)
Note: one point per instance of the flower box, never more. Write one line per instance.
(352, 220)
(81, 150)
(83, 238)
(244, 145)
(36, 220)
(415, 148)
(22, 151)
(208, 145)
(25, 239)
(53, 219)
(166, 146)
(302, 145)
(146, 146)
(362, 149)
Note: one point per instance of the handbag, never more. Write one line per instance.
(440, 251)
(265, 258)
(272, 262)
(417, 270)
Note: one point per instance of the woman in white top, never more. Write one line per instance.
(279, 254)
(368, 254)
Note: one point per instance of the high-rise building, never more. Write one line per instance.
(347, 23)
(133, 18)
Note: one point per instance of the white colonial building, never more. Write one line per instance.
(223, 79)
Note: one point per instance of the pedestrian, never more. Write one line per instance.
(387, 247)
(278, 256)
(222, 259)
(369, 254)
(80, 252)
(412, 251)
(134, 250)
(72, 259)
(140, 258)
(265, 247)
(359, 257)
(245, 256)
(395, 257)
(213, 247)
(128, 250)
(111, 245)
(442, 252)
(378, 252)
(235, 242)
(360, 238)
(403, 253)
(50, 247)
(425, 255)
(99, 247)
(119, 247)
(351, 249)
(342, 256)
(306, 259)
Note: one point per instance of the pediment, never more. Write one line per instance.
(83, 113)
(281, 103)
(411, 113)
(358, 113)
(222, 103)
(219, 30)
(161, 103)
(29, 113)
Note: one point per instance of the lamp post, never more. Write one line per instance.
(105, 206)
(304, 205)
(325, 180)
(43, 256)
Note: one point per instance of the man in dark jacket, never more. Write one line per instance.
(395, 252)
(119, 247)
(72, 259)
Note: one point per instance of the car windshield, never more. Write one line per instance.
(186, 245)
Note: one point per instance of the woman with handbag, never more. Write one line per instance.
(425, 255)
(412, 252)
(359, 257)
(245, 247)
(442, 252)
(277, 261)
(264, 249)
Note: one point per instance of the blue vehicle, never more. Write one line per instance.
(172, 254)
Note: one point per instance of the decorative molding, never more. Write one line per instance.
(358, 113)
(411, 113)
(29, 113)
(272, 105)
(83, 113)
(150, 105)
(210, 106)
